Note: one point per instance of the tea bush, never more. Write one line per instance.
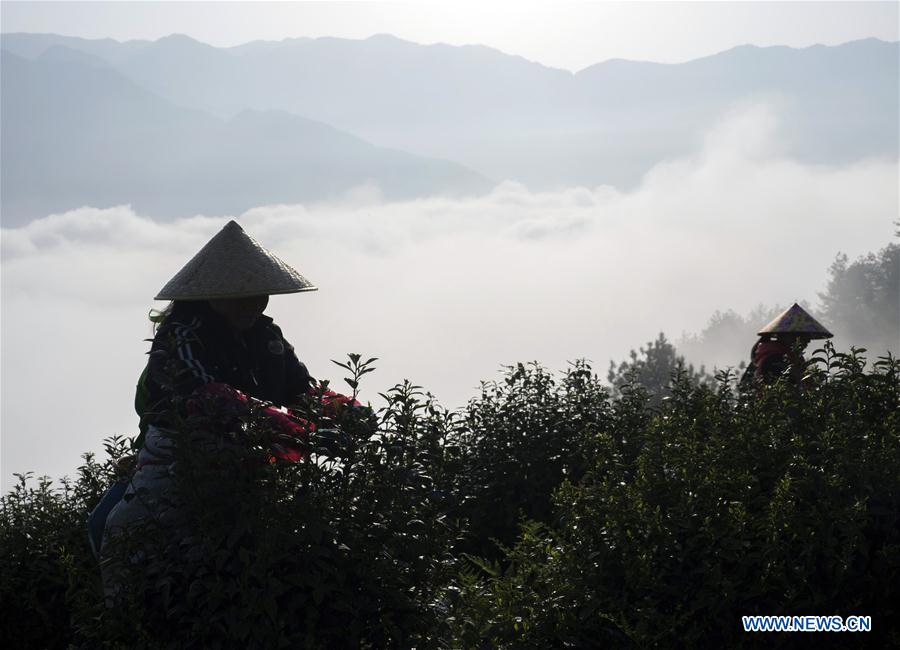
(546, 513)
(717, 505)
(521, 439)
(48, 576)
(348, 548)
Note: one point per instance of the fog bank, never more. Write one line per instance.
(443, 291)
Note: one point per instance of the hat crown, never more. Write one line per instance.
(796, 320)
(233, 265)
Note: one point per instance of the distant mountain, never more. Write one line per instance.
(31, 46)
(77, 132)
(397, 82)
(509, 118)
(839, 103)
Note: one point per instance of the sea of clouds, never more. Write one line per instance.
(443, 291)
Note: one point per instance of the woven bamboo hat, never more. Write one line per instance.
(795, 320)
(233, 265)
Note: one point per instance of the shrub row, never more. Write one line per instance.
(544, 514)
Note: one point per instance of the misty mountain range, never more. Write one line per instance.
(176, 127)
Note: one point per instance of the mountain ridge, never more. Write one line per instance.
(505, 118)
(76, 134)
(388, 36)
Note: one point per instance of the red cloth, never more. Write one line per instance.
(765, 349)
(224, 403)
(293, 435)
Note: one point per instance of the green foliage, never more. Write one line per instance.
(547, 513)
(357, 369)
(786, 502)
(520, 440)
(348, 548)
(49, 577)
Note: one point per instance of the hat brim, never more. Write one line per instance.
(233, 265)
(226, 296)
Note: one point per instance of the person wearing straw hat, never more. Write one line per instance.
(214, 331)
(214, 348)
(780, 347)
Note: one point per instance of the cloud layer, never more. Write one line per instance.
(443, 291)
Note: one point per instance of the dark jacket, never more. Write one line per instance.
(194, 346)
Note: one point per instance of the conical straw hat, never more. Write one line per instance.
(795, 320)
(233, 265)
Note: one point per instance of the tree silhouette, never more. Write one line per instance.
(652, 368)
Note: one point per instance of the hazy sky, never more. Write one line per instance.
(564, 35)
(443, 291)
